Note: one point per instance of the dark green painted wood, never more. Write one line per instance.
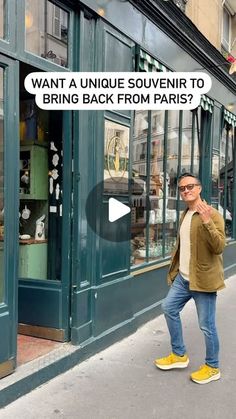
(66, 247)
(114, 257)
(229, 258)
(112, 304)
(8, 310)
(149, 289)
(8, 43)
(41, 304)
(85, 143)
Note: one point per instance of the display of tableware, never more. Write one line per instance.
(25, 237)
(40, 228)
(26, 213)
(142, 253)
(25, 178)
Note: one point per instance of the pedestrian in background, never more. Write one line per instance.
(196, 271)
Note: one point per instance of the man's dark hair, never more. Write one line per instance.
(188, 174)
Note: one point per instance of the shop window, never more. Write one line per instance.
(40, 189)
(153, 230)
(164, 145)
(116, 158)
(160, 152)
(226, 178)
(190, 155)
(46, 29)
(226, 30)
(2, 18)
(140, 210)
(1, 188)
(215, 184)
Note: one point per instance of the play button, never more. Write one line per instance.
(108, 209)
(116, 210)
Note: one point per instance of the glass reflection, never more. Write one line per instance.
(215, 198)
(2, 18)
(116, 158)
(225, 206)
(139, 178)
(46, 28)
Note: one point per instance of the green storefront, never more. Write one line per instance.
(59, 278)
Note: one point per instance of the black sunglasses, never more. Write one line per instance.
(189, 187)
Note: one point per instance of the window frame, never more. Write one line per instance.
(34, 59)
(226, 44)
(8, 44)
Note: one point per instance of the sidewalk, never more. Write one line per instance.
(121, 382)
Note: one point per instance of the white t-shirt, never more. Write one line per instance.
(184, 257)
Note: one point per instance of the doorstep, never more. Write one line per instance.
(30, 348)
(30, 374)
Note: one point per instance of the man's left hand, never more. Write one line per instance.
(205, 211)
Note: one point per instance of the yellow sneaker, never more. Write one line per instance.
(205, 374)
(172, 361)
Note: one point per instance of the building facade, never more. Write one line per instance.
(63, 276)
(216, 20)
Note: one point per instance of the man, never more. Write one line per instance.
(196, 271)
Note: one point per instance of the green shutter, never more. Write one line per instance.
(149, 64)
(207, 104)
(230, 118)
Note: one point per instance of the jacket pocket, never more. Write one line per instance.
(203, 266)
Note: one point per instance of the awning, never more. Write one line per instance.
(207, 104)
(230, 118)
(149, 64)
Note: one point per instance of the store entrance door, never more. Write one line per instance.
(44, 218)
(8, 214)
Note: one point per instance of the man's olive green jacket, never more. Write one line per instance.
(207, 242)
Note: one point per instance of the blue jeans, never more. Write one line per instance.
(178, 295)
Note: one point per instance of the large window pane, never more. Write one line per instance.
(215, 194)
(158, 183)
(158, 156)
(2, 18)
(46, 28)
(190, 142)
(139, 177)
(1, 188)
(226, 178)
(195, 139)
(171, 180)
(186, 150)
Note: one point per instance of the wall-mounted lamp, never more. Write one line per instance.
(29, 20)
(230, 107)
(102, 4)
